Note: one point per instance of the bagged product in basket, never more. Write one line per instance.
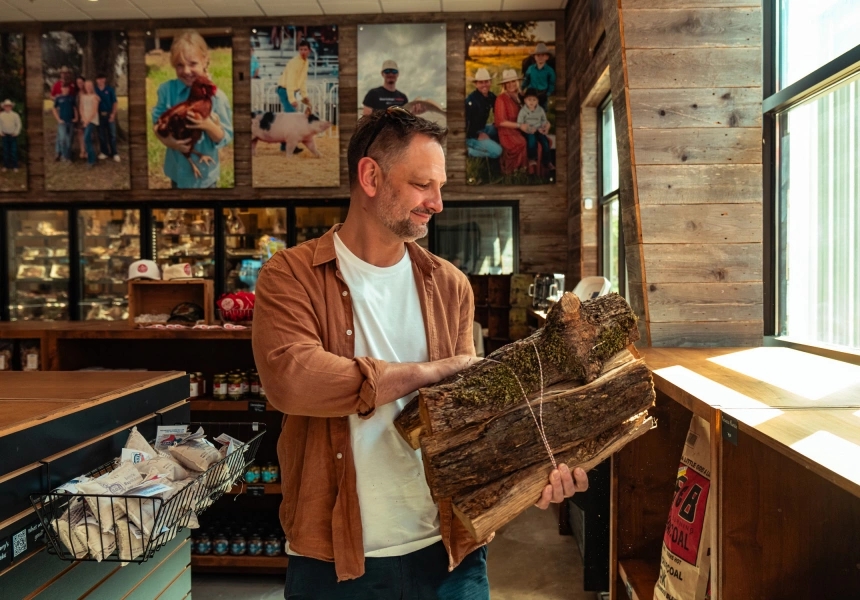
(150, 457)
(99, 542)
(143, 508)
(65, 525)
(196, 454)
(685, 562)
(129, 540)
(136, 441)
(163, 464)
(115, 483)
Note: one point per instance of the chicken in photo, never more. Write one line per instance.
(175, 120)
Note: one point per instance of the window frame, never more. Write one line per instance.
(775, 102)
(604, 198)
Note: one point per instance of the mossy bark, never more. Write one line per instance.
(509, 442)
(573, 345)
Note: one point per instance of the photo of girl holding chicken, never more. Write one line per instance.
(192, 119)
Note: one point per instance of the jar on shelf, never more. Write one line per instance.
(201, 384)
(234, 387)
(238, 544)
(270, 473)
(262, 393)
(246, 384)
(203, 544)
(253, 474)
(220, 544)
(255, 544)
(195, 385)
(255, 384)
(219, 386)
(272, 545)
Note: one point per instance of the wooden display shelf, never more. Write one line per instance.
(639, 577)
(147, 296)
(239, 564)
(225, 405)
(270, 489)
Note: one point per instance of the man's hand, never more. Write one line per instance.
(562, 485)
(483, 136)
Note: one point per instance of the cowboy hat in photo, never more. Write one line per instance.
(482, 75)
(7, 102)
(509, 75)
(541, 48)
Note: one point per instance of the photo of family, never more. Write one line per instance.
(510, 109)
(13, 175)
(189, 104)
(403, 65)
(295, 140)
(85, 113)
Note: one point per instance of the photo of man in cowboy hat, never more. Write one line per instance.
(482, 139)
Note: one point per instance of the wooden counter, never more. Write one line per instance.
(55, 426)
(785, 462)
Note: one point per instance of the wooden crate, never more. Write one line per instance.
(147, 296)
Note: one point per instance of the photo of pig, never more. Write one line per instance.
(295, 139)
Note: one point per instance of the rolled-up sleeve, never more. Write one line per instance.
(299, 375)
(465, 336)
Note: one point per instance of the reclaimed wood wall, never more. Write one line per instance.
(543, 238)
(686, 87)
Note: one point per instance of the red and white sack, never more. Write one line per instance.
(685, 563)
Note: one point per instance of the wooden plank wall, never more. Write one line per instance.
(543, 237)
(588, 84)
(686, 86)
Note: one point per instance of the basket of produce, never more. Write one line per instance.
(128, 508)
(236, 307)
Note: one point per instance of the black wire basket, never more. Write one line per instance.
(132, 528)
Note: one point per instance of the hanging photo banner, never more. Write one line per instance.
(13, 112)
(189, 108)
(295, 139)
(510, 104)
(85, 115)
(403, 65)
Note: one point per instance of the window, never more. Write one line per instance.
(480, 240)
(814, 121)
(611, 244)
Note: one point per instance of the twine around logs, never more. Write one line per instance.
(538, 424)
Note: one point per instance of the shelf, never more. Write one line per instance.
(204, 235)
(41, 237)
(39, 280)
(111, 236)
(225, 405)
(238, 564)
(639, 577)
(270, 489)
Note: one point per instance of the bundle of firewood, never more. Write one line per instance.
(573, 388)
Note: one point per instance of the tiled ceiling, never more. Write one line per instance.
(104, 10)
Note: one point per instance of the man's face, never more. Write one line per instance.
(101, 81)
(410, 193)
(65, 89)
(531, 102)
(541, 59)
(304, 52)
(66, 76)
(7, 107)
(483, 86)
(389, 76)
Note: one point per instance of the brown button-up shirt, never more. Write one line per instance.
(304, 348)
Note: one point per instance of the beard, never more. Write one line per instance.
(404, 228)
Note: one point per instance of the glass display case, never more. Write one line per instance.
(251, 237)
(38, 254)
(477, 240)
(313, 221)
(108, 242)
(185, 235)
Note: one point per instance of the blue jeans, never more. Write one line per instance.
(286, 106)
(107, 135)
(532, 141)
(65, 131)
(485, 148)
(10, 151)
(88, 143)
(421, 575)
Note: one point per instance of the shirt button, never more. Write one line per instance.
(344, 293)
(339, 455)
(349, 332)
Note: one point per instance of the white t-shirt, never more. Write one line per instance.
(398, 515)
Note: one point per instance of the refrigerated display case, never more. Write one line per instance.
(38, 251)
(251, 237)
(479, 240)
(108, 242)
(185, 235)
(313, 221)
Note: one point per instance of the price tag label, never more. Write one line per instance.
(257, 406)
(730, 429)
(256, 490)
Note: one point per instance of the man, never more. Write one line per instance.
(294, 79)
(387, 94)
(67, 80)
(347, 328)
(540, 76)
(10, 129)
(481, 136)
(107, 118)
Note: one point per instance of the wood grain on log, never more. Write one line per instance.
(506, 443)
(487, 508)
(572, 346)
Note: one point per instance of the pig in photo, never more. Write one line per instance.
(287, 130)
(295, 139)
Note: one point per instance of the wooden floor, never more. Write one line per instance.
(528, 560)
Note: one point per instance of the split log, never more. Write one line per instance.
(486, 509)
(573, 345)
(408, 422)
(510, 441)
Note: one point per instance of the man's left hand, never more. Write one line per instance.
(562, 484)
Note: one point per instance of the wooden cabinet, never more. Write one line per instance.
(785, 450)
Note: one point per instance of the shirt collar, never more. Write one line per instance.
(325, 252)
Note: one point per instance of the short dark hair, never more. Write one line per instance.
(101, 76)
(305, 43)
(387, 140)
(531, 92)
